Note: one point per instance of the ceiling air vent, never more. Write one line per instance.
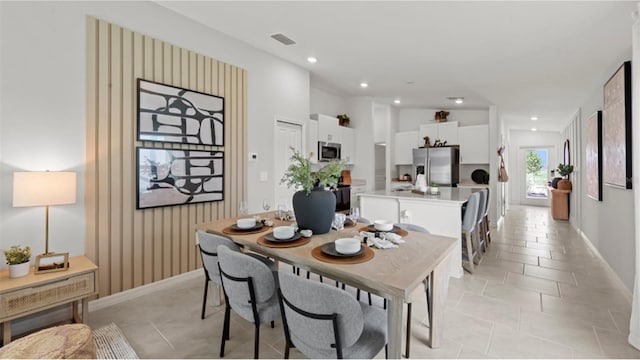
(283, 39)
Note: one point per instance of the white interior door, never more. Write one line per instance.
(380, 156)
(287, 135)
(534, 166)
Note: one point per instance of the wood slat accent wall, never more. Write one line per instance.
(136, 247)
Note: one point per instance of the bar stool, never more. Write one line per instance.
(469, 224)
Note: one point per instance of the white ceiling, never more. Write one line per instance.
(528, 58)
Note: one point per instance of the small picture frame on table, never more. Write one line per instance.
(52, 262)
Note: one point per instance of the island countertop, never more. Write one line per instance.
(447, 194)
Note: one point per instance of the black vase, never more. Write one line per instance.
(314, 211)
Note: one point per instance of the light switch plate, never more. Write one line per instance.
(264, 176)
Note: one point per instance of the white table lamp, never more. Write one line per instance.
(44, 188)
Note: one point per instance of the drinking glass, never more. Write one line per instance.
(266, 205)
(338, 221)
(282, 211)
(243, 208)
(354, 215)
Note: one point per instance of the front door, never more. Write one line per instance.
(534, 167)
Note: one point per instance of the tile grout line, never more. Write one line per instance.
(615, 323)
(162, 335)
(597, 339)
(486, 351)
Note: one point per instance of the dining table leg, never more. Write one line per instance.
(439, 286)
(394, 327)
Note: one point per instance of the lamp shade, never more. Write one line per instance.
(43, 188)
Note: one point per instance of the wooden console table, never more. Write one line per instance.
(559, 204)
(33, 293)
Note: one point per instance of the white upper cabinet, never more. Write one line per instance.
(443, 131)
(348, 142)
(405, 142)
(474, 144)
(328, 128)
(312, 140)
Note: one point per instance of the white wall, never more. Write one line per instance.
(411, 119)
(42, 109)
(326, 103)
(609, 224)
(525, 138)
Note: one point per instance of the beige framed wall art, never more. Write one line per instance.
(616, 140)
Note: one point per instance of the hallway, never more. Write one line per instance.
(539, 292)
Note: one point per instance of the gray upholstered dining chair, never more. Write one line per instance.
(469, 242)
(208, 244)
(482, 205)
(325, 322)
(486, 231)
(249, 289)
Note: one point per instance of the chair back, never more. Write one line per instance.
(487, 203)
(469, 220)
(481, 205)
(412, 227)
(317, 315)
(208, 244)
(246, 281)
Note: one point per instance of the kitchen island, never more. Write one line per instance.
(440, 214)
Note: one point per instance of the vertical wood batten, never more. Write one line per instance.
(128, 141)
(136, 247)
(102, 161)
(90, 178)
(138, 218)
(115, 158)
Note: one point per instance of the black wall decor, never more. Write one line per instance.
(176, 177)
(172, 114)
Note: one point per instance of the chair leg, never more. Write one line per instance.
(308, 274)
(321, 280)
(286, 350)
(408, 342)
(204, 299)
(386, 351)
(384, 304)
(256, 344)
(225, 329)
(426, 288)
(358, 294)
(370, 302)
(467, 236)
(273, 324)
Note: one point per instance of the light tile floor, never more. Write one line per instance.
(539, 292)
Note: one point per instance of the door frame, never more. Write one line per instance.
(522, 173)
(276, 177)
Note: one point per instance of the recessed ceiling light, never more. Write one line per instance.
(456, 99)
(364, 85)
(534, 129)
(534, 118)
(459, 100)
(410, 82)
(396, 101)
(312, 60)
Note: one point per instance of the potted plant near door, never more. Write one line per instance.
(565, 170)
(18, 259)
(314, 206)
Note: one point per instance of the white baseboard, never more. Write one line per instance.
(625, 291)
(120, 297)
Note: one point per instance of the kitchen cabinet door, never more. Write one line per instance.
(405, 142)
(328, 129)
(348, 139)
(312, 140)
(430, 130)
(444, 131)
(474, 144)
(448, 131)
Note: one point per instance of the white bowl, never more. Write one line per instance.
(306, 233)
(383, 225)
(347, 245)
(283, 232)
(246, 223)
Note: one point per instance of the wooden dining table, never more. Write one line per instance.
(392, 273)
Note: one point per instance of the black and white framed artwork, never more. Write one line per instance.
(172, 114)
(177, 177)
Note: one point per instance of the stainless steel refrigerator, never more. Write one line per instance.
(440, 165)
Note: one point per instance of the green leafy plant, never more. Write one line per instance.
(299, 173)
(344, 119)
(565, 170)
(17, 255)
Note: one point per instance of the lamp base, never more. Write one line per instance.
(51, 262)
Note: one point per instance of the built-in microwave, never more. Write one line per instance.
(328, 151)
